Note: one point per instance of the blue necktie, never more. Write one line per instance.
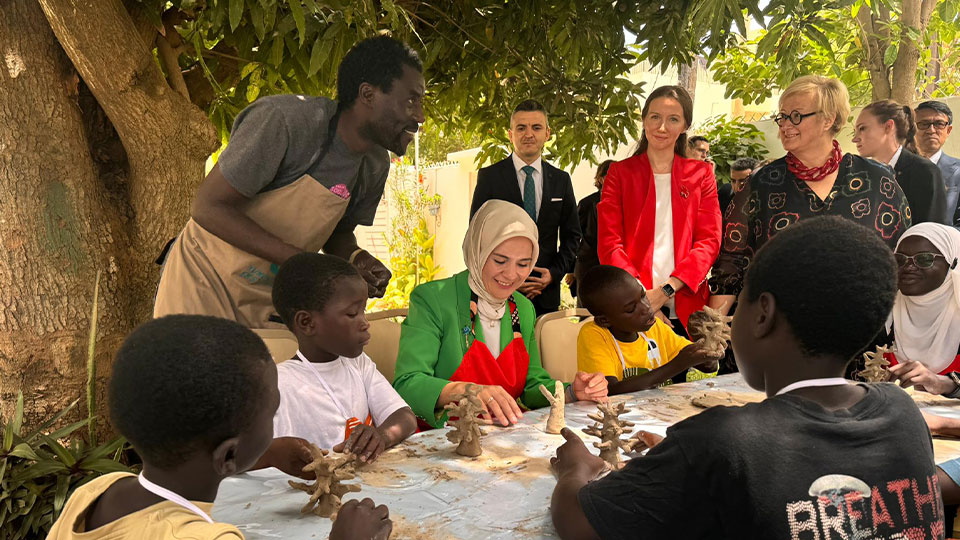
(529, 193)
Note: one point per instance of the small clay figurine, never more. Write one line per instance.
(875, 365)
(327, 490)
(711, 329)
(609, 428)
(466, 427)
(555, 421)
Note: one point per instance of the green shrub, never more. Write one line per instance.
(39, 470)
(729, 140)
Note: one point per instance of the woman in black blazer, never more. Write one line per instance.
(885, 131)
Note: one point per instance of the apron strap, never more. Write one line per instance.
(514, 315)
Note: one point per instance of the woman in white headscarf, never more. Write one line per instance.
(475, 328)
(926, 313)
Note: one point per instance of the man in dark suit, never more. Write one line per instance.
(934, 124)
(545, 192)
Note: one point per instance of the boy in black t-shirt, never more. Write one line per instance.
(819, 458)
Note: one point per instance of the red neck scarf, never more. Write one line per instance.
(815, 174)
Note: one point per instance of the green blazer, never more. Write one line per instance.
(433, 342)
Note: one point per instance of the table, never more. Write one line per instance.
(433, 493)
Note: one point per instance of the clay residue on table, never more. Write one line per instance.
(424, 530)
(521, 467)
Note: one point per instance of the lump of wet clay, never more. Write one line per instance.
(326, 491)
(466, 407)
(555, 422)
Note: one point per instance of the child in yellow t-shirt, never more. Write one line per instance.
(195, 395)
(626, 342)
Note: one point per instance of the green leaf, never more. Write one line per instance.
(92, 365)
(53, 421)
(317, 57)
(65, 431)
(296, 9)
(104, 466)
(62, 453)
(104, 450)
(60, 495)
(890, 55)
(253, 86)
(236, 12)
(39, 469)
(23, 450)
(13, 427)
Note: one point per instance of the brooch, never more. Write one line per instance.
(684, 193)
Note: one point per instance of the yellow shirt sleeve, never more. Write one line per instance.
(596, 352)
(669, 342)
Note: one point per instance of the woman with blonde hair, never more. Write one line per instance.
(814, 179)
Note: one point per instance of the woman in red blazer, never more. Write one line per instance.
(658, 216)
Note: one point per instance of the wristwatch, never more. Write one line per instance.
(668, 290)
(956, 381)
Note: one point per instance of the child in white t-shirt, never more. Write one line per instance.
(331, 393)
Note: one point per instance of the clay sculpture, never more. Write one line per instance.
(609, 428)
(875, 365)
(466, 430)
(711, 329)
(555, 422)
(326, 491)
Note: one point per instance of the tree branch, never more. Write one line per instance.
(171, 64)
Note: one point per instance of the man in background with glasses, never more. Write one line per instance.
(934, 124)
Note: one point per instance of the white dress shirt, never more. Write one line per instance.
(936, 157)
(896, 156)
(663, 259)
(537, 165)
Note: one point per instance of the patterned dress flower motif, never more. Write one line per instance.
(775, 199)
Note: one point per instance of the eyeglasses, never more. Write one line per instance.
(920, 260)
(939, 125)
(795, 117)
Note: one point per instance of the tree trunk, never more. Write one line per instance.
(96, 173)
(933, 68)
(687, 78)
(915, 14)
(875, 41)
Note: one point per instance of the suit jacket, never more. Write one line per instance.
(950, 168)
(922, 183)
(557, 224)
(433, 342)
(587, 254)
(627, 224)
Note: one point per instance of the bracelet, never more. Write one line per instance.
(354, 255)
(956, 381)
(570, 397)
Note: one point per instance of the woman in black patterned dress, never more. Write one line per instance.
(813, 179)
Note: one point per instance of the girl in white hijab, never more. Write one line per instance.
(926, 312)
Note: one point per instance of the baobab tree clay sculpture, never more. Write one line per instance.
(326, 491)
(609, 428)
(875, 365)
(466, 427)
(555, 422)
(712, 328)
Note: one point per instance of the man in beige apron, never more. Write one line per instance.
(299, 174)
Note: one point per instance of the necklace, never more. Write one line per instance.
(815, 174)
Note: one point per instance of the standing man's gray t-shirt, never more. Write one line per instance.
(278, 139)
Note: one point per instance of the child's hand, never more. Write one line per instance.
(696, 354)
(917, 375)
(645, 440)
(574, 458)
(290, 455)
(367, 442)
(589, 386)
(362, 521)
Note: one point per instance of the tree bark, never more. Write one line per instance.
(687, 78)
(97, 171)
(914, 14)
(875, 41)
